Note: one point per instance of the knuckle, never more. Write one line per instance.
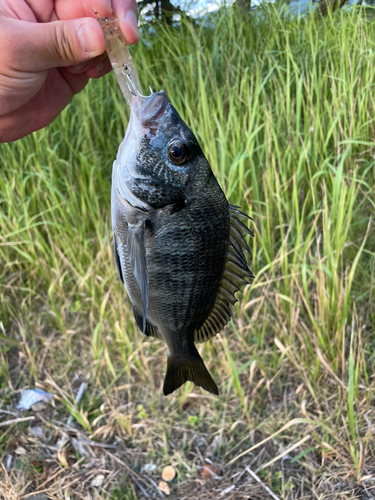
(62, 44)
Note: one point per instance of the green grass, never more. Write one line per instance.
(284, 111)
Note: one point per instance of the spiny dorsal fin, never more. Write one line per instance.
(235, 275)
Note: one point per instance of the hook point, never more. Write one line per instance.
(126, 71)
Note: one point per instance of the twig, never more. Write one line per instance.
(227, 490)
(154, 485)
(285, 452)
(295, 421)
(49, 479)
(254, 476)
(9, 412)
(99, 445)
(23, 497)
(80, 435)
(134, 475)
(328, 367)
(15, 421)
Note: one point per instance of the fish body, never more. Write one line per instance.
(173, 238)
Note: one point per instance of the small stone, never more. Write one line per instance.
(36, 432)
(39, 407)
(20, 451)
(149, 468)
(168, 473)
(209, 471)
(97, 481)
(164, 487)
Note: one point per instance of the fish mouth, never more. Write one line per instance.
(149, 110)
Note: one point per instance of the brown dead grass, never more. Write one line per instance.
(12, 485)
(120, 428)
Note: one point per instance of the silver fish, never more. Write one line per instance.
(179, 246)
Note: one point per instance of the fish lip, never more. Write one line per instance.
(150, 110)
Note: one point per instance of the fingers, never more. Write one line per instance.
(95, 68)
(127, 13)
(40, 46)
(72, 9)
(101, 69)
(41, 10)
(43, 107)
(86, 65)
(125, 10)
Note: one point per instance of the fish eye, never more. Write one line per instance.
(177, 152)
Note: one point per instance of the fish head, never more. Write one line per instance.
(160, 160)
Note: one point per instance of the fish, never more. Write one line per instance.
(179, 245)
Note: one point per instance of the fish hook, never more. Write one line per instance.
(105, 19)
(126, 71)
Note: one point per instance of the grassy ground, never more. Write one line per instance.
(285, 114)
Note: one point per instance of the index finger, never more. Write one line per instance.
(126, 12)
(75, 9)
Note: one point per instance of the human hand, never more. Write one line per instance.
(49, 51)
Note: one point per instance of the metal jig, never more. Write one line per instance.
(126, 71)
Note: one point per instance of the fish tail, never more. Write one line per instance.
(180, 370)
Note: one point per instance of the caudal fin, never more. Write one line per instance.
(180, 370)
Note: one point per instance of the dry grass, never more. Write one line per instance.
(285, 116)
(134, 425)
(11, 486)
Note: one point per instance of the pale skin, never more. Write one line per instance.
(49, 51)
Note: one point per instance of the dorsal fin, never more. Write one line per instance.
(236, 273)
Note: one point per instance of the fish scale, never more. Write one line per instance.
(179, 245)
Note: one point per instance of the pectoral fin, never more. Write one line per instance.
(118, 261)
(137, 258)
(151, 331)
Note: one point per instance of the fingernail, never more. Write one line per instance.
(87, 38)
(80, 66)
(131, 20)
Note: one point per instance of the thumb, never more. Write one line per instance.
(40, 46)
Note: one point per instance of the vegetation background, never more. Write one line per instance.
(284, 111)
